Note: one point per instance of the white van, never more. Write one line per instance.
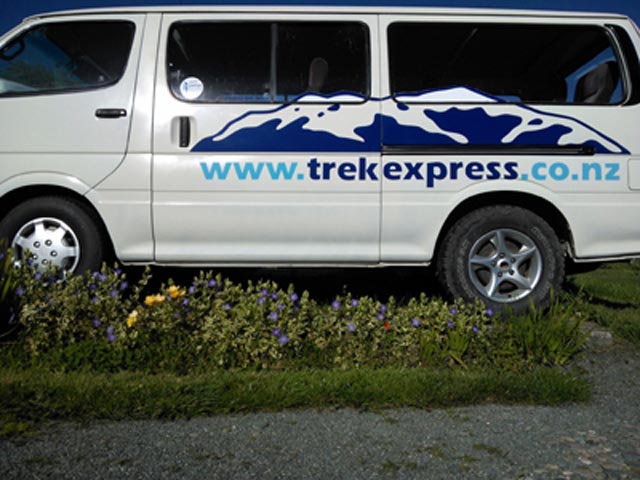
(498, 145)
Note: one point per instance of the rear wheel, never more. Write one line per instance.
(506, 256)
(57, 232)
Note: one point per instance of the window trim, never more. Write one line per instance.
(73, 90)
(614, 45)
(628, 65)
(273, 63)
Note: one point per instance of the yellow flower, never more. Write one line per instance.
(132, 318)
(175, 292)
(152, 300)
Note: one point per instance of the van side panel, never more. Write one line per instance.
(452, 144)
(264, 181)
(124, 197)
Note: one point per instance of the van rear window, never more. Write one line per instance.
(234, 62)
(521, 63)
(65, 56)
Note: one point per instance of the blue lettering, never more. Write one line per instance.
(248, 170)
(214, 170)
(494, 171)
(347, 171)
(559, 171)
(365, 170)
(535, 171)
(512, 170)
(413, 171)
(612, 171)
(435, 171)
(474, 171)
(287, 171)
(392, 171)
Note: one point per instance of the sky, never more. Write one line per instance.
(13, 11)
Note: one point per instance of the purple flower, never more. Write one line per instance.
(93, 287)
(489, 312)
(274, 296)
(19, 291)
(383, 308)
(97, 322)
(95, 299)
(264, 292)
(111, 337)
(192, 289)
(354, 303)
(95, 274)
(124, 285)
(273, 316)
(453, 311)
(226, 307)
(113, 293)
(280, 307)
(294, 297)
(176, 315)
(276, 332)
(380, 316)
(351, 327)
(118, 271)
(415, 322)
(211, 283)
(335, 305)
(475, 329)
(283, 340)
(38, 276)
(1, 256)
(102, 277)
(450, 324)
(260, 300)
(185, 302)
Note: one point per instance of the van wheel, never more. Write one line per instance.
(506, 256)
(57, 232)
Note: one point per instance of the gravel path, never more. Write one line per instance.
(598, 440)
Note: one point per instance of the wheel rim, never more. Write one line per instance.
(505, 265)
(51, 243)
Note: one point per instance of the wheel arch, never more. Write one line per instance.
(534, 203)
(15, 197)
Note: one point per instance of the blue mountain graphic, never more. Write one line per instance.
(292, 138)
(289, 128)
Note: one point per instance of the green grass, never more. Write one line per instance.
(612, 298)
(33, 395)
(63, 386)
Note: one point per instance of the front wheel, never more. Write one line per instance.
(506, 256)
(57, 232)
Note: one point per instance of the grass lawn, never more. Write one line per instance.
(611, 297)
(32, 394)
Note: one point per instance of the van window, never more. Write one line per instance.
(66, 56)
(236, 62)
(513, 63)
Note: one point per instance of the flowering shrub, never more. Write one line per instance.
(101, 321)
(7, 285)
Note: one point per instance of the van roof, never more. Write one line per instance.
(334, 9)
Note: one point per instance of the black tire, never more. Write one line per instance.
(506, 256)
(56, 214)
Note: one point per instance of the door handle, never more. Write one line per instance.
(111, 112)
(185, 132)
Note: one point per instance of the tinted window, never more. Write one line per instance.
(65, 56)
(326, 58)
(516, 63)
(266, 62)
(232, 61)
